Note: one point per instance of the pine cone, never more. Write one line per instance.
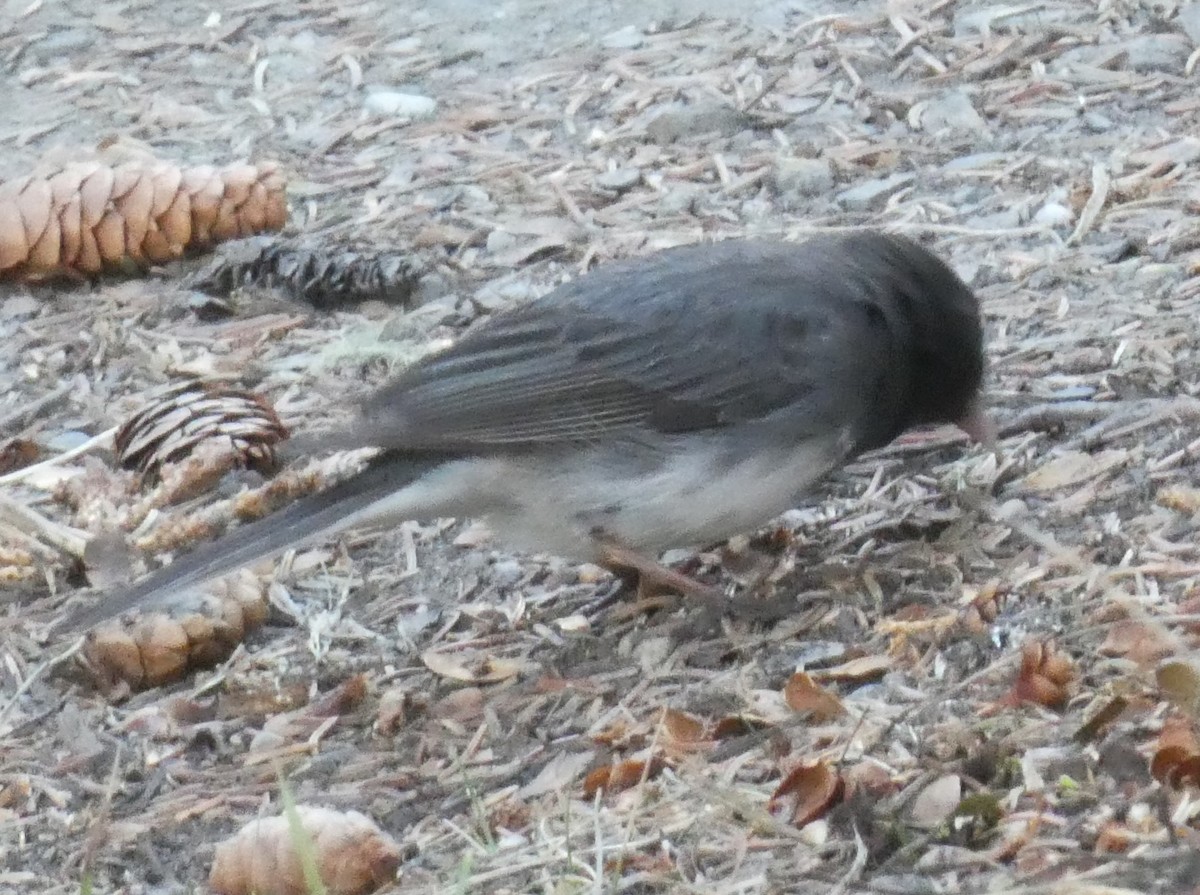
(353, 856)
(89, 216)
(158, 648)
(325, 277)
(181, 416)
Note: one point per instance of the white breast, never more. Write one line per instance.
(689, 500)
(686, 494)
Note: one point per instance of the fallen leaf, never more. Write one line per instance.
(495, 670)
(1073, 468)
(1179, 681)
(18, 453)
(683, 731)
(447, 666)
(736, 726)
(856, 671)
(1176, 759)
(1140, 643)
(1106, 715)
(557, 774)
(805, 696)
(619, 776)
(464, 706)
(806, 794)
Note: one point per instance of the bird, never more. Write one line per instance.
(666, 401)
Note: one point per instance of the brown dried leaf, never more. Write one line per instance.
(1103, 717)
(612, 778)
(1176, 759)
(1179, 681)
(856, 671)
(683, 731)
(1141, 643)
(17, 453)
(736, 726)
(806, 794)
(807, 697)
(394, 707)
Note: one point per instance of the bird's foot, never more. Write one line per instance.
(652, 580)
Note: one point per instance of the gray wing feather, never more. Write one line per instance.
(695, 338)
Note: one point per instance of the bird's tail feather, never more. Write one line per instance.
(323, 513)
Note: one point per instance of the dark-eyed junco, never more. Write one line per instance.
(668, 401)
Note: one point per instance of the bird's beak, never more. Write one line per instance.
(977, 424)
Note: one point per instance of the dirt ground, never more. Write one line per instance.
(989, 633)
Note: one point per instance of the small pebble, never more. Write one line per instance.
(506, 572)
(385, 103)
(1054, 214)
(1011, 509)
(679, 200)
(691, 121)
(500, 240)
(19, 306)
(65, 441)
(1189, 20)
(802, 178)
(872, 194)
(627, 38)
(619, 180)
(588, 573)
(952, 111)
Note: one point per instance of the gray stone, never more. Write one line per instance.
(627, 38)
(393, 103)
(500, 241)
(65, 441)
(871, 194)
(506, 572)
(691, 121)
(1189, 21)
(619, 180)
(1157, 52)
(679, 200)
(801, 178)
(952, 111)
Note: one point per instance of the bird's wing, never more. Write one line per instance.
(694, 339)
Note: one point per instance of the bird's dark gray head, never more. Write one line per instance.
(937, 316)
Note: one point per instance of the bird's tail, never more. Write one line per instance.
(324, 513)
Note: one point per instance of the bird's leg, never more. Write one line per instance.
(652, 577)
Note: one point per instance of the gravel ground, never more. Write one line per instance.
(468, 699)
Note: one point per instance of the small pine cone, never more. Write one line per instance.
(181, 416)
(325, 277)
(353, 856)
(160, 647)
(89, 216)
